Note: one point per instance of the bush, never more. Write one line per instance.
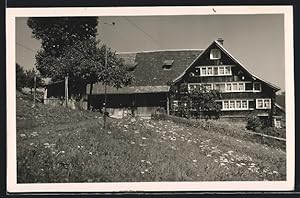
(254, 123)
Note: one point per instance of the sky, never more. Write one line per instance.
(257, 41)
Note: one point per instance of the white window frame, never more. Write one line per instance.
(257, 83)
(219, 73)
(212, 68)
(199, 84)
(223, 104)
(209, 69)
(243, 86)
(201, 71)
(228, 106)
(227, 72)
(277, 123)
(239, 84)
(263, 103)
(213, 52)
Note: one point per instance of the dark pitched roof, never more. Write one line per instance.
(99, 89)
(149, 70)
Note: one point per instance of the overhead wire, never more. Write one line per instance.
(139, 28)
(21, 45)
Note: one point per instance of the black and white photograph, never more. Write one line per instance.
(198, 99)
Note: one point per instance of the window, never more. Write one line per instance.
(227, 70)
(221, 71)
(241, 87)
(232, 106)
(215, 71)
(234, 86)
(251, 104)
(267, 104)
(277, 123)
(228, 87)
(249, 87)
(226, 105)
(208, 87)
(217, 87)
(209, 71)
(263, 103)
(256, 87)
(259, 103)
(244, 104)
(191, 87)
(238, 104)
(203, 71)
(235, 105)
(222, 87)
(175, 105)
(197, 86)
(167, 64)
(215, 54)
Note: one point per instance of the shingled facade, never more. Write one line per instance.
(158, 72)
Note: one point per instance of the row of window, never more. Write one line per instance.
(261, 103)
(235, 104)
(228, 87)
(213, 71)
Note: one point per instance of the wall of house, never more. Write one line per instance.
(140, 104)
(194, 76)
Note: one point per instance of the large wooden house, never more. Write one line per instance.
(158, 72)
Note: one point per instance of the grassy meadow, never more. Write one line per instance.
(56, 144)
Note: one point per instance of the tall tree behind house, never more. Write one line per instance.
(70, 48)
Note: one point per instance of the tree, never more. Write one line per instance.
(206, 101)
(84, 63)
(57, 33)
(20, 77)
(200, 101)
(69, 48)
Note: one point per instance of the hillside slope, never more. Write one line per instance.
(63, 145)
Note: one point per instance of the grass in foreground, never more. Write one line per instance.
(73, 147)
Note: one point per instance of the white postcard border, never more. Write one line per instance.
(12, 186)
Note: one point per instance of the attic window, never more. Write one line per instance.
(167, 64)
(215, 54)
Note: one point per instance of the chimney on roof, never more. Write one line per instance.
(221, 41)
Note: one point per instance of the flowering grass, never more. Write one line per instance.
(75, 148)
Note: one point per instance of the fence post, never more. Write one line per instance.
(66, 91)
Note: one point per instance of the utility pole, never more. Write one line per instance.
(66, 91)
(105, 90)
(105, 81)
(34, 89)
